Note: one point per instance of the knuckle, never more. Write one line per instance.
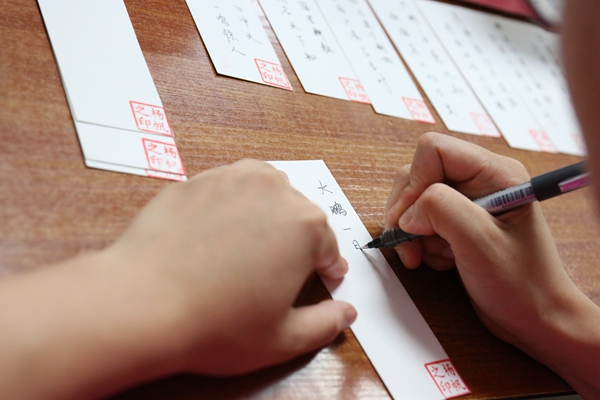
(428, 139)
(315, 221)
(258, 174)
(435, 195)
(513, 172)
(249, 163)
(518, 169)
(403, 172)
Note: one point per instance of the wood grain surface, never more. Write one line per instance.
(52, 207)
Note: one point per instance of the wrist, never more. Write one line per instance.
(86, 327)
(566, 338)
(147, 312)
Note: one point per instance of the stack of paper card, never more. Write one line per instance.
(402, 348)
(462, 57)
(514, 69)
(313, 50)
(118, 114)
(374, 59)
(236, 41)
(441, 80)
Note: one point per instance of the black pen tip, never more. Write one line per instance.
(374, 244)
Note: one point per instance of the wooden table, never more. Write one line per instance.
(52, 207)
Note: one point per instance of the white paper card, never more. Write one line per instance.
(529, 55)
(116, 109)
(374, 59)
(133, 149)
(470, 39)
(134, 171)
(236, 41)
(313, 50)
(437, 74)
(399, 343)
(101, 64)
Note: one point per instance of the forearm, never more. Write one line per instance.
(567, 340)
(82, 329)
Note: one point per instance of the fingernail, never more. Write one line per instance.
(285, 176)
(448, 253)
(341, 269)
(350, 317)
(406, 217)
(400, 255)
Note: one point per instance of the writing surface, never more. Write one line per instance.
(389, 327)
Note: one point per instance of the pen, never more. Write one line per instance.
(540, 188)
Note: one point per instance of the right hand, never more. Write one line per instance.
(509, 263)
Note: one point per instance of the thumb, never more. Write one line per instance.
(311, 327)
(446, 212)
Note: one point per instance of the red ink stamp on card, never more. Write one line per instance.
(542, 140)
(485, 125)
(418, 110)
(447, 379)
(163, 157)
(272, 74)
(149, 118)
(355, 90)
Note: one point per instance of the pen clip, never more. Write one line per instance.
(576, 182)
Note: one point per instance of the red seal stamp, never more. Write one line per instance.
(485, 125)
(149, 118)
(418, 110)
(542, 140)
(272, 74)
(447, 379)
(355, 90)
(163, 157)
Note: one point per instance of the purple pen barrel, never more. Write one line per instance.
(540, 188)
(507, 199)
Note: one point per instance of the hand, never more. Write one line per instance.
(508, 264)
(234, 246)
(204, 280)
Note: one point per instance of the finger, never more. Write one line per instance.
(432, 250)
(438, 263)
(392, 212)
(336, 270)
(473, 170)
(411, 254)
(285, 176)
(437, 253)
(443, 210)
(312, 327)
(328, 261)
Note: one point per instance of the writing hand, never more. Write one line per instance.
(508, 263)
